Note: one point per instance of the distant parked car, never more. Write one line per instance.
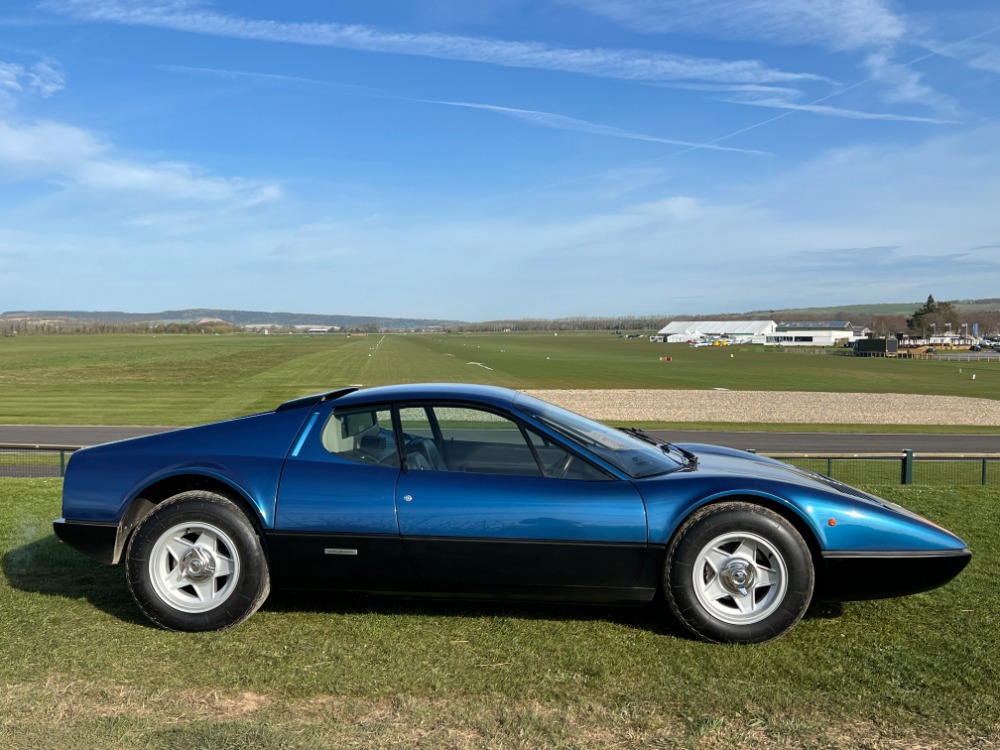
(476, 491)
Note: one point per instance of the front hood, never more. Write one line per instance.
(721, 461)
(841, 517)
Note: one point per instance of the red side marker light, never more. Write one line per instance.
(832, 522)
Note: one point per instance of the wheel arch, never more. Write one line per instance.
(774, 504)
(149, 497)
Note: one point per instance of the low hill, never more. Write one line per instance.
(236, 317)
(859, 314)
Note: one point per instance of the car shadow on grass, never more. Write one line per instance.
(49, 567)
(654, 617)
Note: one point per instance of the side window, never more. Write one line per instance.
(362, 435)
(461, 439)
(559, 463)
(416, 422)
(419, 441)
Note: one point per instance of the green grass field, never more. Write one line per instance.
(81, 668)
(176, 380)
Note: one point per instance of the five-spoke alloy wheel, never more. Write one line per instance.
(196, 563)
(738, 573)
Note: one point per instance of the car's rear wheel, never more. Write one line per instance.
(196, 563)
(738, 573)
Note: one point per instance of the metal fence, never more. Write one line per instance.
(905, 467)
(34, 460)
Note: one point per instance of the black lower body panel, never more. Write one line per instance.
(305, 560)
(466, 569)
(847, 576)
(97, 540)
(528, 562)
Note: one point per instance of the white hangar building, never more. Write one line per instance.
(827, 333)
(739, 331)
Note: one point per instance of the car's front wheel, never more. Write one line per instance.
(196, 563)
(738, 573)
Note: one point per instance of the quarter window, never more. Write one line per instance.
(559, 463)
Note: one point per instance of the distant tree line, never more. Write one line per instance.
(29, 327)
(931, 317)
(625, 323)
(50, 327)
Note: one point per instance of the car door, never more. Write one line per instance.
(335, 522)
(486, 503)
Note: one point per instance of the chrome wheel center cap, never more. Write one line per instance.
(197, 565)
(738, 576)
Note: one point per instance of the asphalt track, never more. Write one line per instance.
(762, 442)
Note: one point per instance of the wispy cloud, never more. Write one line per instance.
(985, 58)
(825, 109)
(787, 98)
(884, 262)
(236, 75)
(43, 149)
(833, 24)
(10, 76)
(562, 122)
(276, 79)
(46, 77)
(25, 21)
(870, 27)
(43, 77)
(533, 117)
(71, 156)
(734, 87)
(172, 181)
(633, 65)
(903, 85)
(906, 89)
(957, 32)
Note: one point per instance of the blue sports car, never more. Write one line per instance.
(476, 491)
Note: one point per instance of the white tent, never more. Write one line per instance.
(747, 331)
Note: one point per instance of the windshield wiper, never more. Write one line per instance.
(643, 436)
(691, 458)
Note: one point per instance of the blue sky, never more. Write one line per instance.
(480, 159)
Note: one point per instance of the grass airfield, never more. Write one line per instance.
(187, 379)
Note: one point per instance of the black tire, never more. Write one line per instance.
(196, 563)
(738, 573)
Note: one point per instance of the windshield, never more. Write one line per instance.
(631, 455)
